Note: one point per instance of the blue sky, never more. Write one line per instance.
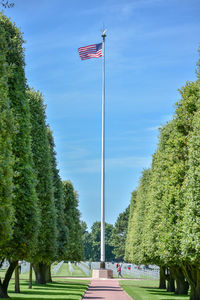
(151, 51)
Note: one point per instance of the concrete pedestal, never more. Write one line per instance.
(102, 274)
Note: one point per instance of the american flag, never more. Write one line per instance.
(90, 51)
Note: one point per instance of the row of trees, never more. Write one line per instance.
(39, 217)
(165, 209)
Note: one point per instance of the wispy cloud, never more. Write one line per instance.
(119, 9)
(74, 153)
(112, 164)
(129, 162)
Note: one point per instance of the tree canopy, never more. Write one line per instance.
(74, 249)
(119, 234)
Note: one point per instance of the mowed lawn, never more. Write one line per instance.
(64, 271)
(68, 289)
(148, 290)
(61, 288)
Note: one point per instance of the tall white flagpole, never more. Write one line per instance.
(102, 263)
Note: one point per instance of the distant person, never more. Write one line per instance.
(119, 270)
(90, 265)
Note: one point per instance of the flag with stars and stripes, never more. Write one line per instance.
(90, 51)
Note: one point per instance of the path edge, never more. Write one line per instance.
(125, 292)
(85, 291)
(128, 295)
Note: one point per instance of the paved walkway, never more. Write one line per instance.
(105, 290)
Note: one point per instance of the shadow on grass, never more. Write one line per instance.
(57, 285)
(42, 298)
(50, 291)
(157, 291)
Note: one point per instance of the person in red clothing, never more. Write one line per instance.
(119, 270)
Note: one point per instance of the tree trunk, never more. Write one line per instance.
(182, 285)
(192, 274)
(30, 276)
(8, 275)
(3, 292)
(42, 273)
(195, 293)
(162, 284)
(49, 278)
(170, 281)
(17, 287)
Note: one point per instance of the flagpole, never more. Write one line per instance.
(102, 263)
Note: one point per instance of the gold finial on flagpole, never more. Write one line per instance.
(104, 33)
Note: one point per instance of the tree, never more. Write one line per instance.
(119, 234)
(47, 238)
(74, 249)
(86, 240)
(136, 249)
(24, 200)
(157, 221)
(176, 167)
(108, 242)
(96, 241)
(169, 235)
(191, 214)
(6, 156)
(129, 238)
(62, 229)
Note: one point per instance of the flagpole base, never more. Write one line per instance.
(102, 265)
(102, 274)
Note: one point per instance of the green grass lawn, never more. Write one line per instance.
(68, 289)
(78, 272)
(2, 272)
(61, 288)
(63, 271)
(148, 290)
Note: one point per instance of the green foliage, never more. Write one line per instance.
(86, 240)
(108, 242)
(190, 242)
(72, 222)
(129, 238)
(135, 252)
(119, 234)
(164, 194)
(174, 144)
(6, 156)
(169, 203)
(62, 229)
(47, 243)
(24, 198)
(95, 242)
